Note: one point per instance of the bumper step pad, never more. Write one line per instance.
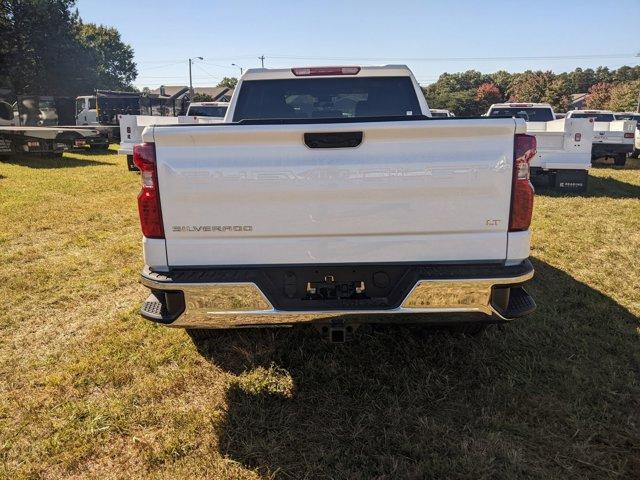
(163, 307)
(520, 303)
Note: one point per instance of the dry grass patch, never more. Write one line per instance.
(89, 390)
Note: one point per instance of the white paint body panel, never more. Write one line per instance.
(137, 123)
(131, 127)
(557, 148)
(155, 253)
(413, 191)
(613, 132)
(518, 247)
(609, 132)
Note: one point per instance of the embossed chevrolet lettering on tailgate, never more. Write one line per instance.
(212, 228)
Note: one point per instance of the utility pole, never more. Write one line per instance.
(190, 79)
(261, 58)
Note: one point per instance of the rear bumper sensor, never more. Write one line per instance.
(280, 296)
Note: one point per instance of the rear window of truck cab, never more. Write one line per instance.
(597, 117)
(305, 98)
(627, 116)
(529, 114)
(207, 111)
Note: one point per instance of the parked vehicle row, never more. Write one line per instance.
(332, 191)
(48, 140)
(563, 154)
(441, 113)
(634, 117)
(568, 143)
(611, 137)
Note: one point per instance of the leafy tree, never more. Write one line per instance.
(624, 96)
(111, 57)
(39, 48)
(530, 86)
(202, 97)
(558, 93)
(599, 96)
(229, 82)
(603, 75)
(45, 49)
(461, 103)
(454, 90)
(581, 80)
(502, 79)
(486, 95)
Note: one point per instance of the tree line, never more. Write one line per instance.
(472, 92)
(46, 49)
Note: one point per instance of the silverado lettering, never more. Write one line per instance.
(212, 228)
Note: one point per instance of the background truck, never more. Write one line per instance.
(634, 117)
(46, 140)
(563, 155)
(441, 112)
(330, 195)
(611, 138)
(103, 109)
(131, 126)
(29, 125)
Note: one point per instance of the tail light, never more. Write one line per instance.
(144, 156)
(628, 135)
(319, 71)
(522, 190)
(577, 137)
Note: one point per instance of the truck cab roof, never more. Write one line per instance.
(327, 92)
(595, 112)
(209, 104)
(326, 71)
(521, 105)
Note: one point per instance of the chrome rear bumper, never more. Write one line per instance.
(243, 304)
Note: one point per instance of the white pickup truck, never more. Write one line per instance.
(329, 195)
(131, 126)
(634, 117)
(611, 137)
(440, 113)
(563, 157)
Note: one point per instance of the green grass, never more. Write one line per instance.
(90, 390)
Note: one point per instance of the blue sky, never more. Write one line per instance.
(431, 37)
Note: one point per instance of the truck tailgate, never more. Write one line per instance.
(426, 190)
(562, 143)
(613, 132)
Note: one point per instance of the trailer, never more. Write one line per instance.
(30, 124)
(53, 141)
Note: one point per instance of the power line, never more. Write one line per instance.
(165, 65)
(210, 74)
(228, 67)
(458, 59)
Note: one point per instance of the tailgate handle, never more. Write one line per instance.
(333, 139)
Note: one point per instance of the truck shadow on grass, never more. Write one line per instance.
(92, 153)
(35, 161)
(553, 395)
